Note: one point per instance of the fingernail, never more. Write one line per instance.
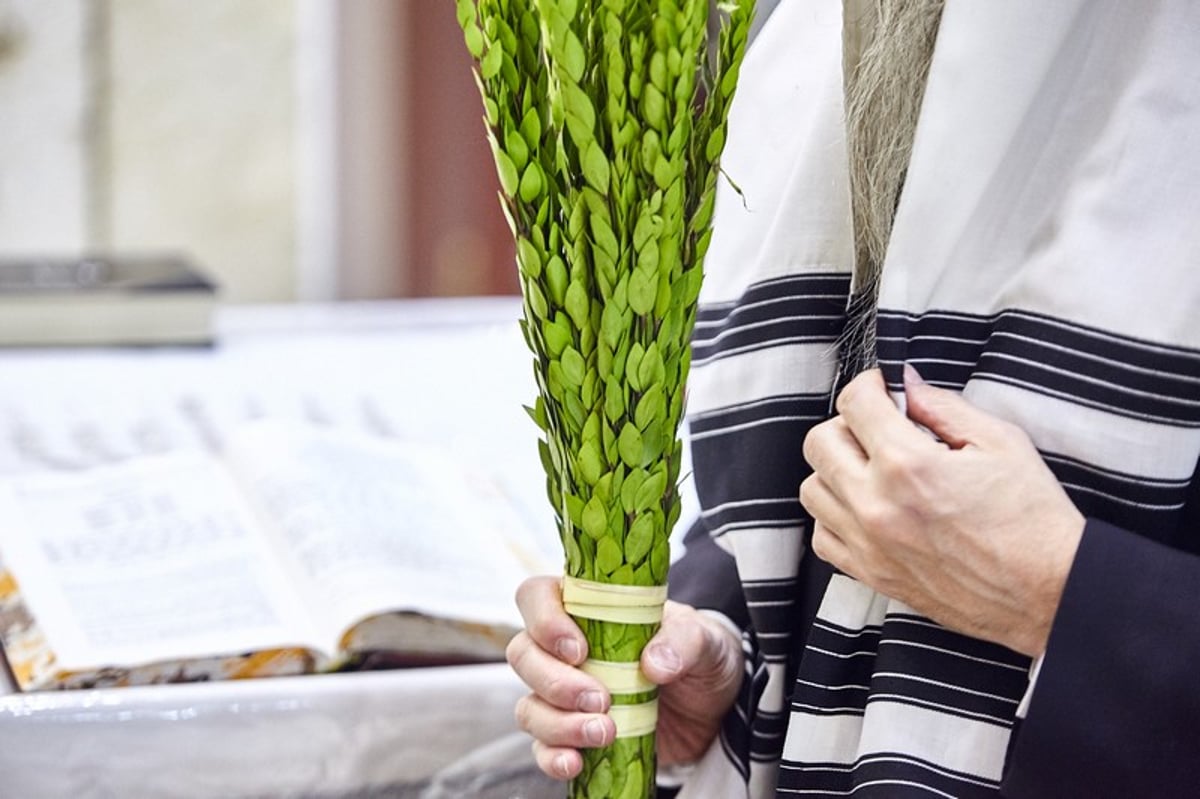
(593, 730)
(665, 658)
(911, 376)
(561, 766)
(569, 650)
(591, 702)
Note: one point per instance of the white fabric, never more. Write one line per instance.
(1052, 187)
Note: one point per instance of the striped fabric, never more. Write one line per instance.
(1042, 264)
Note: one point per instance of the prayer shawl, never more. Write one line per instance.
(1045, 261)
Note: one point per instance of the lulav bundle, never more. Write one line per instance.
(607, 119)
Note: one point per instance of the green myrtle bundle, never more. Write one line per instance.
(607, 119)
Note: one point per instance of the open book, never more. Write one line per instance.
(296, 550)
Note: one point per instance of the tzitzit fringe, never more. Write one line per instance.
(622, 604)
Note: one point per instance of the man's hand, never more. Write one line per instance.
(972, 531)
(696, 659)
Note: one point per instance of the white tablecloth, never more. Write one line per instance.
(454, 373)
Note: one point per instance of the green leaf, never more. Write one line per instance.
(664, 173)
(716, 143)
(594, 520)
(609, 556)
(576, 413)
(474, 38)
(632, 362)
(574, 509)
(624, 576)
(556, 279)
(629, 445)
(606, 240)
(648, 256)
(587, 391)
(640, 538)
(554, 380)
(614, 400)
(489, 65)
(654, 107)
(658, 71)
(572, 56)
(643, 287)
(573, 367)
(634, 777)
(652, 406)
(631, 487)
(651, 150)
(650, 493)
(612, 326)
(531, 183)
(650, 368)
(590, 463)
(528, 258)
(591, 430)
(653, 440)
(603, 487)
(577, 305)
(531, 128)
(537, 300)
(557, 335)
(579, 108)
(507, 171)
(660, 559)
(595, 168)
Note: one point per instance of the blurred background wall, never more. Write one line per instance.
(296, 149)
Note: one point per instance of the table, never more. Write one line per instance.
(450, 372)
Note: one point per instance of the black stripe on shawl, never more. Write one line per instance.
(908, 659)
(789, 310)
(884, 774)
(1057, 358)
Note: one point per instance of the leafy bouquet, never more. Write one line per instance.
(607, 119)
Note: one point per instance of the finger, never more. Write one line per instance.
(540, 601)
(827, 508)
(557, 762)
(827, 546)
(949, 416)
(873, 418)
(688, 643)
(557, 683)
(563, 729)
(835, 455)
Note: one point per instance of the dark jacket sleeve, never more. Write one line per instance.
(1116, 708)
(706, 576)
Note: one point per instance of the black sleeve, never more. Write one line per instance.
(706, 576)
(1116, 708)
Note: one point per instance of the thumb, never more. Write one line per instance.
(946, 414)
(688, 645)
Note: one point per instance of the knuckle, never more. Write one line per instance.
(874, 518)
(822, 543)
(807, 487)
(850, 394)
(814, 442)
(558, 693)
(523, 713)
(517, 650)
(521, 595)
(897, 464)
(818, 544)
